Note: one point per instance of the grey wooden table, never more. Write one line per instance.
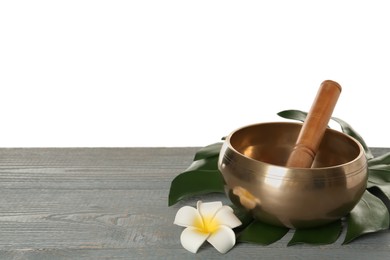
(108, 203)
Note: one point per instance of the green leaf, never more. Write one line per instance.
(369, 215)
(384, 159)
(322, 235)
(379, 174)
(193, 183)
(261, 233)
(384, 167)
(384, 188)
(379, 178)
(201, 177)
(208, 151)
(347, 129)
(382, 192)
(293, 114)
(207, 164)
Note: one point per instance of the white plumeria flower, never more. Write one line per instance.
(211, 221)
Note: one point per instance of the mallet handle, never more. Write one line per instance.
(314, 127)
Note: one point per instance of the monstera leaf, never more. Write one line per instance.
(369, 215)
(201, 177)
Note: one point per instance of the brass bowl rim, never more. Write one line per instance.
(361, 149)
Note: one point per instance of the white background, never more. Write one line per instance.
(184, 73)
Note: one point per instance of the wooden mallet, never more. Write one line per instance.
(313, 128)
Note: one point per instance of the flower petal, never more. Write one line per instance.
(191, 239)
(208, 209)
(187, 216)
(225, 216)
(223, 239)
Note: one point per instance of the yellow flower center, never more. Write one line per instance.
(207, 224)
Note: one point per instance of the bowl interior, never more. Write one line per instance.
(273, 142)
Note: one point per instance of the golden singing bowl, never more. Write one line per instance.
(252, 163)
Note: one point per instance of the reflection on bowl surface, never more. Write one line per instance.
(252, 163)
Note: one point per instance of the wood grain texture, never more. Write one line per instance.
(111, 203)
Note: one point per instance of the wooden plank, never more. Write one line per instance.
(91, 203)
